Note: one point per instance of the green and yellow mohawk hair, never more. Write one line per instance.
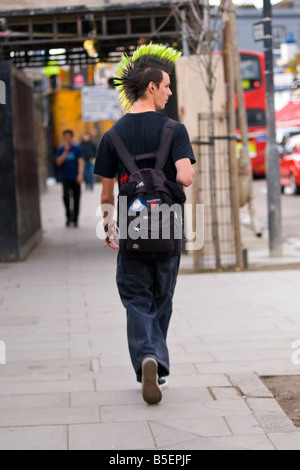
(148, 56)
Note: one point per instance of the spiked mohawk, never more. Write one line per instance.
(130, 72)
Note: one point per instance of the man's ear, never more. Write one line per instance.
(151, 87)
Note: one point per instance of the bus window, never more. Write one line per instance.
(251, 74)
(255, 117)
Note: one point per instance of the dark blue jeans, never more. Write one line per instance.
(146, 289)
(89, 174)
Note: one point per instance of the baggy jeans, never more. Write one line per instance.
(146, 289)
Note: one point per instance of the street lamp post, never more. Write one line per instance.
(272, 155)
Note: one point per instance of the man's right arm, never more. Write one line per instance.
(108, 198)
(60, 160)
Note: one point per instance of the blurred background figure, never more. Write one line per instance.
(69, 159)
(89, 153)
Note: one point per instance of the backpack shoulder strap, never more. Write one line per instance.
(165, 144)
(161, 155)
(122, 151)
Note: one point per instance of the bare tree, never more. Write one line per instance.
(202, 32)
(202, 28)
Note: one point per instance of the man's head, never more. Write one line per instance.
(86, 137)
(162, 92)
(68, 136)
(147, 71)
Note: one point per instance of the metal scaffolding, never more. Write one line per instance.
(27, 36)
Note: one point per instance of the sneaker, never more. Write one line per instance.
(150, 389)
(162, 382)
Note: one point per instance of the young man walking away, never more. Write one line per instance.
(146, 280)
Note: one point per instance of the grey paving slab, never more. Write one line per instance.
(34, 438)
(285, 441)
(48, 416)
(244, 425)
(250, 385)
(203, 443)
(109, 398)
(270, 415)
(205, 427)
(51, 400)
(55, 386)
(167, 436)
(111, 436)
(167, 410)
(247, 442)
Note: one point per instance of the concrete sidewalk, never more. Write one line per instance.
(68, 382)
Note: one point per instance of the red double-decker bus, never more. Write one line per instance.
(254, 85)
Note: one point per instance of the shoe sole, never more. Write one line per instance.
(150, 389)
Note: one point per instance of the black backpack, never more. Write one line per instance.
(150, 215)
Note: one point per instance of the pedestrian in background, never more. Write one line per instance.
(89, 151)
(70, 161)
(146, 282)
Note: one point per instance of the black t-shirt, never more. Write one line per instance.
(141, 133)
(88, 150)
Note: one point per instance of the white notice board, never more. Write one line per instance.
(100, 103)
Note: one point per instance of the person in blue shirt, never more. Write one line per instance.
(69, 159)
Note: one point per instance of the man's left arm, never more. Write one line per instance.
(183, 156)
(185, 172)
